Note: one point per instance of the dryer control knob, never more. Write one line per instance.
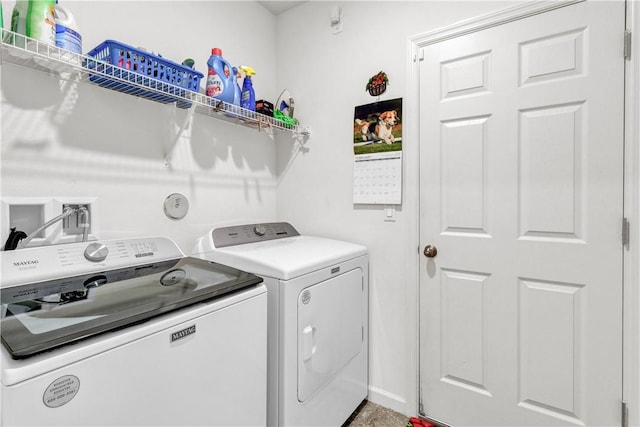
(259, 230)
(96, 252)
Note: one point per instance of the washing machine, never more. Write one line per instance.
(130, 333)
(317, 322)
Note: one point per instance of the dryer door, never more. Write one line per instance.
(330, 329)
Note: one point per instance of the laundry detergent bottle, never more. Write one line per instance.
(237, 92)
(67, 34)
(40, 21)
(34, 19)
(220, 77)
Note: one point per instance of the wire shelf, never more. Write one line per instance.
(37, 55)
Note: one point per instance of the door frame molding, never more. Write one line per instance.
(493, 19)
(631, 270)
(631, 256)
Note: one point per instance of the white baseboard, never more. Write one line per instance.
(388, 400)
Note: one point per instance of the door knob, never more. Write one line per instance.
(430, 251)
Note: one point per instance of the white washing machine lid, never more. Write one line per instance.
(282, 258)
(136, 280)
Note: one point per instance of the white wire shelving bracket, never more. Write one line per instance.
(37, 55)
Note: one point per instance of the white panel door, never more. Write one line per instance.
(521, 136)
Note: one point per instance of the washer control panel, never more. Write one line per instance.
(55, 261)
(251, 233)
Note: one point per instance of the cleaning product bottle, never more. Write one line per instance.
(40, 21)
(67, 34)
(219, 84)
(248, 98)
(237, 92)
(19, 22)
(34, 19)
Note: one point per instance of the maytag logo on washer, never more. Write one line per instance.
(183, 333)
(26, 263)
(306, 297)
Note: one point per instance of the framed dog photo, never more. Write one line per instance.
(377, 127)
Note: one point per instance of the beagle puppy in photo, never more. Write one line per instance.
(377, 127)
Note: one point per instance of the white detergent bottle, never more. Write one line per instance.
(67, 34)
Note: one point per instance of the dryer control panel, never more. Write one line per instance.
(251, 233)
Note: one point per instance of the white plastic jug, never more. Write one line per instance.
(67, 33)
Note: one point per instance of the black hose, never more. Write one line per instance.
(13, 239)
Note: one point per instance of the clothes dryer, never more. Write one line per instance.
(317, 317)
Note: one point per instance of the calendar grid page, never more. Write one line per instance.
(378, 178)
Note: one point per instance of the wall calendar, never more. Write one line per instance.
(377, 147)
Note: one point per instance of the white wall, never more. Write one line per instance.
(65, 139)
(327, 75)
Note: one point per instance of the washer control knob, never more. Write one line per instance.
(96, 252)
(259, 230)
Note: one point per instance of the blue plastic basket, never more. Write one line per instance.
(127, 64)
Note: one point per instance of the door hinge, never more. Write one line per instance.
(418, 56)
(625, 414)
(627, 44)
(625, 232)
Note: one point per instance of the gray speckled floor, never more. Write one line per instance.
(370, 414)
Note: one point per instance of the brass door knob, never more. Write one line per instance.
(430, 251)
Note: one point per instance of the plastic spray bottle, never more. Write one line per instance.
(248, 99)
(219, 84)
